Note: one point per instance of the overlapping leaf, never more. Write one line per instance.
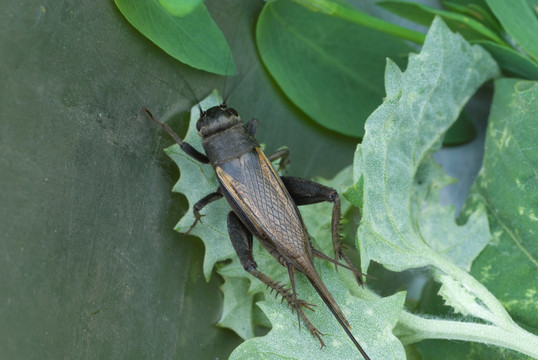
(322, 62)
(508, 186)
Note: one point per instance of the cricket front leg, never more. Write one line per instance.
(306, 192)
(186, 147)
(200, 204)
(242, 242)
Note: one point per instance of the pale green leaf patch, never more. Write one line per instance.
(403, 225)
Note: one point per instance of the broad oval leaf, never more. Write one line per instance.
(508, 186)
(520, 22)
(180, 7)
(193, 39)
(330, 68)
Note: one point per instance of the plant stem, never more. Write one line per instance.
(412, 328)
(501, 316)
(358, 17)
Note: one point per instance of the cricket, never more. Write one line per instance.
(265, 205)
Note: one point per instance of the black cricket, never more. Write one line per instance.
(264, 205)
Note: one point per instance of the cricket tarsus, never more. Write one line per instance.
(264, 205)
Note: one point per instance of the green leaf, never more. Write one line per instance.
(520, 22)
(340, 9)
(372, 322)
(237, 307)
(479, 11)
(403, 224)
(180, 7)
(511, 60)
(470, 28)
(324, 64)
(193, 39)
(508, 186)
(457, 350)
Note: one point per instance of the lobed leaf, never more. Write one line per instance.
(372, 322)
(237, 307)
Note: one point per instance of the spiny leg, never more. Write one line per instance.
(186, 147)
(200, 205)
(306, 192)
(242, 242)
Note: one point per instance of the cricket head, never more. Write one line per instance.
(217, 119)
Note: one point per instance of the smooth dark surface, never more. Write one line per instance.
(90, 265)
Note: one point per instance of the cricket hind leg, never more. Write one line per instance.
(241, 239)
(306, 192)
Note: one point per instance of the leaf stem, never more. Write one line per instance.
(412, 328)
(500, 317)
(351, 14)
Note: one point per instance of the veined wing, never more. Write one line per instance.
(257, 189)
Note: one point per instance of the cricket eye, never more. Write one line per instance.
(199, 124)
(232, 111)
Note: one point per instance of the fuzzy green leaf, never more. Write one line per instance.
(372, 322)
(403, 224)
(237, 307)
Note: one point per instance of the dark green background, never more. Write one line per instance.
(90, 266)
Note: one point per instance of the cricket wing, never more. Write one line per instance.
(255, 188)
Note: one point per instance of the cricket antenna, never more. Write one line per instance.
(202, 112)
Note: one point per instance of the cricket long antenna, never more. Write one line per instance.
(187, 148)
(202, 112)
